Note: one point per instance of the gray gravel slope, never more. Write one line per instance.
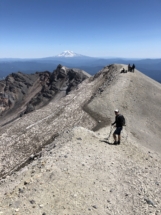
(77, 173)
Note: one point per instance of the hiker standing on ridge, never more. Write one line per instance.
(129, 68)
(119, 121)
(133, 67)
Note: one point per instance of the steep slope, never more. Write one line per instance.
(91, 105)
(138, 98)
(23, 93)
(77, 173)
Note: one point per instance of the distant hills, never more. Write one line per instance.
(150, 67)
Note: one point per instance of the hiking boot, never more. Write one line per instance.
(115, 143)
(118, 142)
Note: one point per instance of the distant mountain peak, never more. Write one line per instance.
(68, 54)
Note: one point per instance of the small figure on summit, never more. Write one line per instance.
(129, 68)
(133, 67)
(120, 122)
(123, 70)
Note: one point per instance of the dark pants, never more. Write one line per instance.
(118, 130)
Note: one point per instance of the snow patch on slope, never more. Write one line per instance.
(68, 54)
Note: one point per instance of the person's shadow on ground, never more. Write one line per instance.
(107, 142)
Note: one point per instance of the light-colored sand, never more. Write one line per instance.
(82, 175)
(77, 173)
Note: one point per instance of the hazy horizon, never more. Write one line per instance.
(99, 57)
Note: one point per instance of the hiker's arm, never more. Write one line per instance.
(113, 123)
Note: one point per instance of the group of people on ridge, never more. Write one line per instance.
(130, 69)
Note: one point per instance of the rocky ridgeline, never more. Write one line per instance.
(14, 88)
(28, 134)
(51, 162)
(22, 93)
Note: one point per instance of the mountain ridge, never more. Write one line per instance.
(22, 93)
(96, 94)
(150, 67)
(64, 163)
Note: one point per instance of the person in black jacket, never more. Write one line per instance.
(118, 122)
(133, 67)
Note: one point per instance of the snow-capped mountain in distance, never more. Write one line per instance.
(69, 54)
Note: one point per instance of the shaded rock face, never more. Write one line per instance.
(13, 89)
(22, 93)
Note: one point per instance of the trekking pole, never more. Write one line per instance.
(110, 132)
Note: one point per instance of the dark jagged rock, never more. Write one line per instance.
(23, 93)
(29, 108)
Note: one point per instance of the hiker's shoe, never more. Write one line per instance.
(118, 142)
(115, 143)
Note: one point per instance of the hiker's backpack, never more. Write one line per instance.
(123, 122)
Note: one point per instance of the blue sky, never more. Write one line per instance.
(98, 28)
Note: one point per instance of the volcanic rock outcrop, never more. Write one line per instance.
(64, 164)
(22, 93)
